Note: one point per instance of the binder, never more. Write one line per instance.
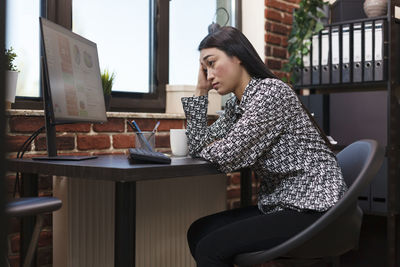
(357, 50)
(325, 69)
(315, 59)
(297, 76)
(346, 54)
(379, 51)
(368, 66)
(306, 71)
(335, 55)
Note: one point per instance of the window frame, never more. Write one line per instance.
(60, 12)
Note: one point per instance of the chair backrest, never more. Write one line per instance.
(359, 162)
(353, 158)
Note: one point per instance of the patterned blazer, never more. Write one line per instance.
(268, 131)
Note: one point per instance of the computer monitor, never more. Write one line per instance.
(72, 88)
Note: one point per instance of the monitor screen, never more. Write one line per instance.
(73, 76)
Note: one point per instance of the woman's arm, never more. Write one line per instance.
(266, 118)
(198, 132)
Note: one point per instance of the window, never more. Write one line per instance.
(22, 20)
(121, 32)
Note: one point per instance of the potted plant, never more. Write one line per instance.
(107, 80)
(11, 76)
(307, 20)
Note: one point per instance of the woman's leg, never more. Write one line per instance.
(206, 225)
(231, 233)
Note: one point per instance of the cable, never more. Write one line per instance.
(20, 154)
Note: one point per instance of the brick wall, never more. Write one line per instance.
(113, 137)
(278, 21)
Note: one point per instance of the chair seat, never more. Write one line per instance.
(32, 205)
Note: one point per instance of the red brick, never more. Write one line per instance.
(14, 260)
(273, 15)
(112, 125)
(64, 142)
(233, 193)
(87, 142)
(287, 18)
(45, 182)
(25, 124)
(279, 52)
(123, 140)
(45, 256)
(14, 225)
(280, 74)
(162, 141)
(45, 238)
(14, 143)
(274, 64)
(272, 39)
(279, 28)
(235, 178)
(280, 5)
(14, 243)
(268, 26)
(284, 41)
(74, 128)
(268, 50)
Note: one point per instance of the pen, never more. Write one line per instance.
(134, 127)
(155, 127)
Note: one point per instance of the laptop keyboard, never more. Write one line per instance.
(141, 155)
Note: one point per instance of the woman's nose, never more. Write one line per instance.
(210, 75)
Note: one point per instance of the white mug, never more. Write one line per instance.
(178, 141)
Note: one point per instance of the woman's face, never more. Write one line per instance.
(225, 73)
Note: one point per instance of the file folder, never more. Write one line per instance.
(325, 68)
(357, 53)
(306, 72)
(368, 66)
(315, 59)
(297, 76)
(335, 55)
(346, 54)
(379, 63)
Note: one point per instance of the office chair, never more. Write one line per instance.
(338, 230)
(28, 207)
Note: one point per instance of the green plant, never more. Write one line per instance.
(11, 55)
(107, 80)
(307, 20)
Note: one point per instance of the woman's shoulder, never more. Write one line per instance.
(273, 87)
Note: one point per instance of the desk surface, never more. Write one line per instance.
(114, 168)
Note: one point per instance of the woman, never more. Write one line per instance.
(264, 127)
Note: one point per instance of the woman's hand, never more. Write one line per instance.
(203, 85)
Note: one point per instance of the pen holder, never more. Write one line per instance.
(150, 137)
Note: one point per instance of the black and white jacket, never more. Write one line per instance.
(269, 131)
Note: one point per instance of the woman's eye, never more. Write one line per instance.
(211, 63)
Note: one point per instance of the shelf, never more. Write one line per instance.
(345, 87)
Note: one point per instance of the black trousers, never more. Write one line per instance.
(215, 239)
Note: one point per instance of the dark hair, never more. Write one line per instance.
(234, 43)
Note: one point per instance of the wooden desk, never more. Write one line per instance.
(111, 168)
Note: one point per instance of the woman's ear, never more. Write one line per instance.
(237, 60)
